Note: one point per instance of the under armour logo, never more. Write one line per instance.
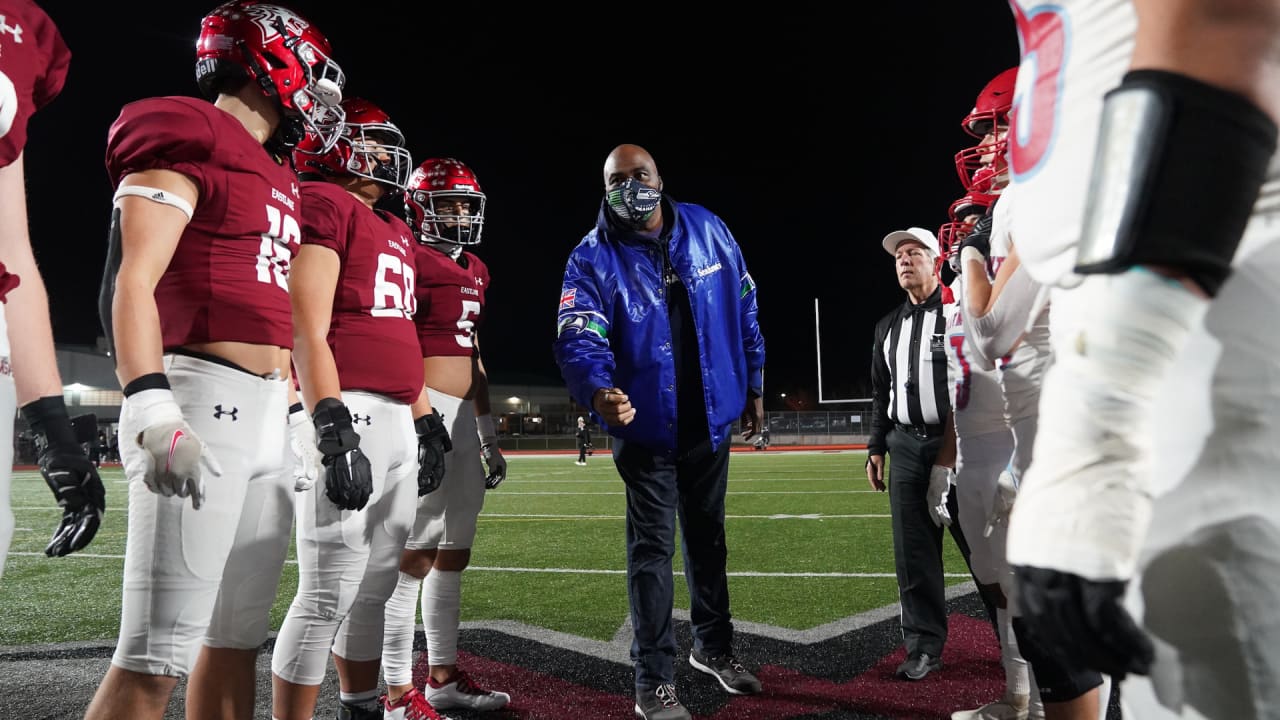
(218, 412)
(356, 418)
(15, 30)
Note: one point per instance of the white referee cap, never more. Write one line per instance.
(920, 235)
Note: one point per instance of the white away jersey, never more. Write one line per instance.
(1022, 371)
(977, 402)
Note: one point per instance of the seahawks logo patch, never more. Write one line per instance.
(580, 322)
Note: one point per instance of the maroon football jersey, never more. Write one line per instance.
(228, 279)
(450, 302)
(371, 332)
(33, 60)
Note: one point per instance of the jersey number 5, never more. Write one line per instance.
(467, 323)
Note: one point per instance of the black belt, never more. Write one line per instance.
(921, 431)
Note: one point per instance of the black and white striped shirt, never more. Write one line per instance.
(909, 370)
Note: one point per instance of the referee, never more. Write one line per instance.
(909, 414)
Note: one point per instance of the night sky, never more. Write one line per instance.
(812, 135)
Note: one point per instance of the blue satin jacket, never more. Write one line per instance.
(613, 329)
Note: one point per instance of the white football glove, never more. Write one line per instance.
(175, 461)
(302, 447)
(489, 450)
(939, 490)
(1006, 493)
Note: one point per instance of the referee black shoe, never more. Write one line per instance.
(917, 666)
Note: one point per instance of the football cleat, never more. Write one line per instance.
(460, 693)
(410, 706)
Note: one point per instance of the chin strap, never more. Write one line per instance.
(453, 250)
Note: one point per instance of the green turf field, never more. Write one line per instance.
(809, 543)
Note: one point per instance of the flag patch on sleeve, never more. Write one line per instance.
(567, 298)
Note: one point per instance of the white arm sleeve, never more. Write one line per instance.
(995, 334)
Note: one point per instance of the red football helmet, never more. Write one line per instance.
(444, 203)
(962, 214)
(369, 146)
(990, 115)
(285, 55)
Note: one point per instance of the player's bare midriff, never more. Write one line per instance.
(451, 375)
(257, 359)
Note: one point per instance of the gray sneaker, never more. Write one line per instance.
(660, 703)
(733, 677)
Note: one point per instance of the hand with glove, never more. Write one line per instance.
(175, 460)
(975, 246)
(348, 479)
(489, 450)
(70, 475)
(433, 443)
(1002, 504)
(939, 490)
(307, 459)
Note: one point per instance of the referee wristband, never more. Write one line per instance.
(150, 381)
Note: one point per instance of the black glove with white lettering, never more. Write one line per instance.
(979, 238)
(433, 443)
(1083, 621)
(348, 479)
(69, 473)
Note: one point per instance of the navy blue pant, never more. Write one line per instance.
(660, 489)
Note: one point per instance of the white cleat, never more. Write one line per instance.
(462, 694)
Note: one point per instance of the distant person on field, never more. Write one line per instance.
(584, 440)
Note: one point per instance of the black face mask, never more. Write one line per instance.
(633, 203)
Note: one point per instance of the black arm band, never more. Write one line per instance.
(1178, 168)
(48, 417)
(150, 381)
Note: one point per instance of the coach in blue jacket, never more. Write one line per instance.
(657, 334)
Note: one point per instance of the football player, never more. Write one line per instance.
(360, 375)
(984, 445)
(1153, 470)
(33, 66)
(196, 303)
(1008, 322)
(446, 206)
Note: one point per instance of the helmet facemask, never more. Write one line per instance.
(378, 152)
(450, 216)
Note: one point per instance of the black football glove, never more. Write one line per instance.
(433, 443)
(70, 475)
(348, 478)
(1083, 621)
(979, 238)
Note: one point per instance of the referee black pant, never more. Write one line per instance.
(917, 542)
